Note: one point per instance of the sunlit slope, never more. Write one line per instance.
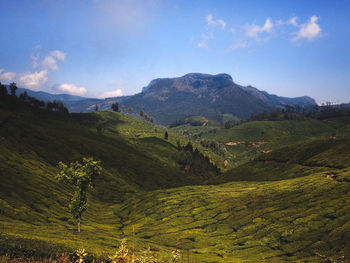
(289, 220)
(288, 205)
(301, 159)
(248, 140)
(294, 207)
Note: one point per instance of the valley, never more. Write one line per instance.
(155, 131)
(281, 194)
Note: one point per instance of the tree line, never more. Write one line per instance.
(327, 110)
(193, 161)
(12, 101)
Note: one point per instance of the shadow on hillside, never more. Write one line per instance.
(106, 120)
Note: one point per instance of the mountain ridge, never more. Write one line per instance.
(171, 99)
(212, 96)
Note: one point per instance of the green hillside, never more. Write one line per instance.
(288, 205)
(134, 155)
(250, 139)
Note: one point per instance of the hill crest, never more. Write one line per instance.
(212, 96)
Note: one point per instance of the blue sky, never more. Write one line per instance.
(102, 48)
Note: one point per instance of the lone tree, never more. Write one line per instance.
(13, 88)
(3, 91)
(166, 135)
(80, 175)
(115, 107)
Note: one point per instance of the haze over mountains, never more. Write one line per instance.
(170, 99)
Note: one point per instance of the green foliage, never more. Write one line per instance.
(195, 162)
(121, 255)
(251, 139)
(115, 107)
(81, 176)
(231, 123)
(81, 253)
(192, 120)
(214, 146)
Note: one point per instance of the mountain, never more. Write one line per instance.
(303, 101)
(75, 104)
(194, 94)
(45, 96)
(212, 96)
(89, 105)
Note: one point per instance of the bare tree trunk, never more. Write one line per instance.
(79, 225)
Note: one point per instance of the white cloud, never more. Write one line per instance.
(279, 22)
(238, 45)
(204, 40)
(293, 21)
(113, 93)
(50, 61)
(212, 22)
(33, 81)
(253, 31)
(59, 55)
(70, 89)
(309, 30)
(7, 76)
(35, 61)
(35, 56)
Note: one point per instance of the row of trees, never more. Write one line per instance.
(214, 146)
(115, 107)
(231, 123)
(278, 115)
(146, 116)
(193, 161)
(25, 100)
(324, 111)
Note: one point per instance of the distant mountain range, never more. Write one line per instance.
(212, 96)
(170, 99)
(41, 95)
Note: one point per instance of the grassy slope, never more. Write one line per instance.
(294, 215)
(273, 134)
(289, 210)
(289, 220)
(33, 204)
